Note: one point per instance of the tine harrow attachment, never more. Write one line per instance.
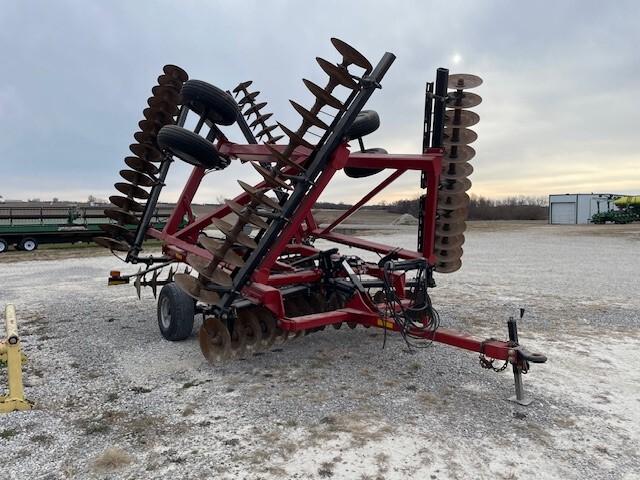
(252, 269)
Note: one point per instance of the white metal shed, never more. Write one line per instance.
(574, 208)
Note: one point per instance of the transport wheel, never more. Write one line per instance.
(205, 99)
(175, 313)
(4, 246)
(358, 172)
(190, 147)
(365, 123)
(28, 244)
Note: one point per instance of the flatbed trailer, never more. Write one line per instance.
(27, 227)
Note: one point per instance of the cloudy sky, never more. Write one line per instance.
(561, 84)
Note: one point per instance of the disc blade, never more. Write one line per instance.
(242, 86)
(141, 166)
(137, 178)
(275, 139)
(165, 93)
(460, 118)
(463, 81)
(322, 95)
(249, 97)
(452, 201)
(121, 216)
(255, 108)
(126, 203)
(448, 267)
(132, 190)
(239, 210)
(157, 115)
(456, 186)
(216, 248)
(117, 231)
(150, 127)
(449, 241)
(145, 137)
(308, 116)
(248, 321)
(266, 130)
(202, 266)
(282, 160)
(458, 136)
(260, 119)
(239, 237)
(146, 152)
(194, 289)
(449, 254)
(337, 73)
(295, 138)
(159, 104)
(170, 81)
(450, 229)
(175, 72)
(268, 326)
(215, 341)
(463, 100)
(112, 244)
(458, 153)
(271, 177)
(259, 197)
(351, 55)
(456, 171)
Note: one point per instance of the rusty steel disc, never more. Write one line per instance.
(249, 97)
(175, 72)
(452, 201)
(458, 136)
(126, 203)
(216, 248)
(266, 130)
(282, 160)
(271, 177)
(145, 137)
(152, 127)
(146, 152)
(351, 55)
(236, 237)
(248, 217)
(458, 153)
(192, 287)
(137, 178)
(295, 138)
(216, 275)
(456, 186)
(259, 196)
(449, 254)
(309, 117)
(322, 95)
(242, 86)
(112, 244)
(157, 115)
(337, 73)
(456, 171)
(268, 326)
(458, 100)
(238, 345)
(169, 81)
(160, 104)
(247, 319)
(274, 139)
(117, 231)
(460, 118)
(254, 109)
(446, 228)
(215, 341)
(141, 166)
(123, 217)
(448, 267)
(132, 190)
(452, 241)
(260, 119)
(166, 93)
(463, 81)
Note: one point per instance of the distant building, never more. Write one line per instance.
(578, 208)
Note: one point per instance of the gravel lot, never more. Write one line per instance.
(114, 400)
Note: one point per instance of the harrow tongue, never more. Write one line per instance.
(264, 280)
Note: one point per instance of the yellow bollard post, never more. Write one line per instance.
(15, 399)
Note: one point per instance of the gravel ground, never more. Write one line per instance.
(114, 400)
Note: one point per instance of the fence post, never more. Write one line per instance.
(11, 349)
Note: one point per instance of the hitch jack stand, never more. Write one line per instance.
(516, 363)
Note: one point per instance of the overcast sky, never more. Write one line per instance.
(560, 95)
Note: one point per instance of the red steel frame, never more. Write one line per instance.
(272, 274)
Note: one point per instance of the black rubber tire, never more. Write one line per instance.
(357, 172)
(199, 96)
(4, 246)
(365, 123)
(190, 147)
(28, 244)
(181, 309)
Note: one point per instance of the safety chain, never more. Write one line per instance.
(488, 362)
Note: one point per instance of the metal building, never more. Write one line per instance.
(573, 208)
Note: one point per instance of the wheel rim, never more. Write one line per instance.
(3, 247)
(165, 313)
(29, 245)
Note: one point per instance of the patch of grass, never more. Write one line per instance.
(42, 438)
(8, 433)
(140, 389)
(326, 470)
(112, 397)
(193, 383)
(112, 458)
